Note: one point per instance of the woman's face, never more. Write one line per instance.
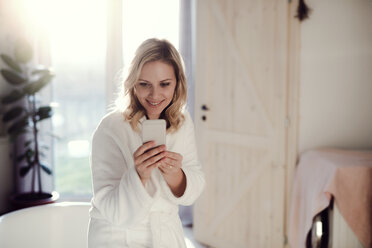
(155, 87)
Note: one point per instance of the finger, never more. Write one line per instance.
(151, 167)
(150, 153)
(170, 162)
(165, 167)
(161, 169)
(142, 149)
(169, 169)
(146, 172)
(174, 155)
(150, 162)
(153, 160)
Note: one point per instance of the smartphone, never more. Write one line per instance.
(154, 130)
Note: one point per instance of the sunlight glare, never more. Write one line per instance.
(80, 18)
(319, 228)
(143, 19)
(189, 244)
(78, 148)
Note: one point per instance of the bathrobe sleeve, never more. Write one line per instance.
(195, 180)
(119, 195)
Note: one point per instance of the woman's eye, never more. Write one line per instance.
(143, 84)
(165, 84)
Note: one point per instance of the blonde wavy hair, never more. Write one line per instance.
(156, 50)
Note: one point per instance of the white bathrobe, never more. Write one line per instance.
(124, 213)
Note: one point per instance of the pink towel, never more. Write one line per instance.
(347, 176)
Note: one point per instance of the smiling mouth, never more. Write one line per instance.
(154, 103)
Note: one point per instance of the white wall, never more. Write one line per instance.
(336, 75)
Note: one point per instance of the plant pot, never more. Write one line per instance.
(29, 199)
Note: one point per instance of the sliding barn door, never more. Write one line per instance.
(240, 81)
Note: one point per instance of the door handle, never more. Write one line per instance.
(204, 107)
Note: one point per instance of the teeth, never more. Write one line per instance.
(154, 103)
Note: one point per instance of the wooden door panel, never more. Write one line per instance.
(241, 108)
(241, 77)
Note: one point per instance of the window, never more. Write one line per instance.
(78, 47)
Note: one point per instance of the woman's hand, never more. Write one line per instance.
(171, 163)
(146, 158)
(171, 168)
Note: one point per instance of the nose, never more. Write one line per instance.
(154, 92)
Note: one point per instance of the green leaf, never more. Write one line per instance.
(13, 77)
(13, 96)
(28, 142)
(23, 51)
(46, 169)
(30, 155)
(24, 170)
(18, 126)
(44, 113)
(21, 157)
(13, 113)
(13, 137)
(11, 63)
(34, 87)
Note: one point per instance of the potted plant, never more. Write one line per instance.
(22, 117)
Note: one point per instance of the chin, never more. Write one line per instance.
(153, 113)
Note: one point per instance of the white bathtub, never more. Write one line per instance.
(58, 225)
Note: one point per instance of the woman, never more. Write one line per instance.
(137, 187)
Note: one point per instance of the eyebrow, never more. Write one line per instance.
(167, 79)
(140, 79)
